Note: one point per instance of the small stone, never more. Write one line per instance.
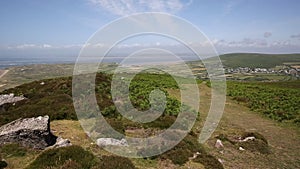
(241, 149)
(219, 144)
(248, 138)
(42, 83)
(60, 142)
(220, 160)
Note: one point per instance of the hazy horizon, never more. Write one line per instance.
(62, 28)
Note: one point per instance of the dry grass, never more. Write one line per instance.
(237, 119)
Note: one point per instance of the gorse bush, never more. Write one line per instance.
(114, 162)
(256, 135)
(256, 145)
(189, 146)
(209, 161)
(259, 144)
(72, 156)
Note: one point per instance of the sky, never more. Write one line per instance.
(62, 27)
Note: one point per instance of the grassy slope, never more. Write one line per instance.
(54, 99)
(257, 60)
(236, 120)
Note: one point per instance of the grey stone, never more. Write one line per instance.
(102, 142)
(60, 142)
(248, 138)
(29, 132)
(219, 144)
(10, 98)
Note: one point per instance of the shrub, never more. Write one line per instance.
(178, 156)
(162, 122)
(256, 145)
(223, 137)
(181, 152)
(3, 164)
(70, 164)
(74, 156)
(209, 161)
(259, 144)
(187, 148)
(114, 162)
(256, 135)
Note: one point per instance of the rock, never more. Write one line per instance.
(241, 148)
(29, 132)
(248, 138)
(221, 161)
(102, 142)
(10, 98)
(42, 83)
(219, 144)
(195, 155)
(60, 142)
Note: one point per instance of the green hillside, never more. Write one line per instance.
(257, 60)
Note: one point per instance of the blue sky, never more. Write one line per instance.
(61, 27)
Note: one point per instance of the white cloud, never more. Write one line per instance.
(295, 36)
(246, 42)
(229, 6)
(256, 45)
(267, 34)
(127, 7)
(26, 46)
(281, 43)
(30, 46)
(222, 46)
(47, 46)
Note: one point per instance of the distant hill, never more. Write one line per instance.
(257, 60)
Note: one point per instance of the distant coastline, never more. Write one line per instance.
(7, 62)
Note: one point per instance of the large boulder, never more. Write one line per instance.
(29, 132)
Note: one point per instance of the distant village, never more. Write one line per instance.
(288, 70)
(282, 70)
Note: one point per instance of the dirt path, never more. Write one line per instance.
(3, 72)
(284, 140)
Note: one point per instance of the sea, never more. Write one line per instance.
(12, 61)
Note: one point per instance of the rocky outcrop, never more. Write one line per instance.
(30, 132)
(10, 98)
